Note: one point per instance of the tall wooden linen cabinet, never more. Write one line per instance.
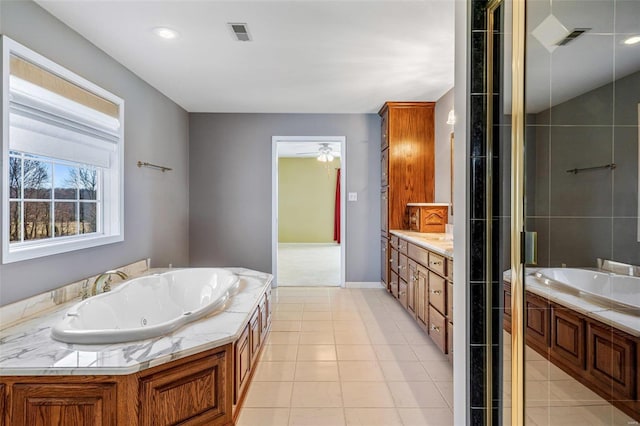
(407, 166)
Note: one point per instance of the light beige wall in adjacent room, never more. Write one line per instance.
(306, 200)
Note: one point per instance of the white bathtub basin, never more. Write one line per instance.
(147, 307)
(621, 289)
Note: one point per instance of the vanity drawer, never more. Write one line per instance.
(438, 329)
(394, 262)
(403, 246)
(437, 289)
(402, 293)
(394, 284)
(450, 301)
(450, 269)
(394, 241)
(418, 254)
(403, 267)
(436, 263)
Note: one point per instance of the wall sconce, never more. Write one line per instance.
(451, 118)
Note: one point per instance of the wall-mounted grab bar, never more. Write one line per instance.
(154, 166)
(606, 166)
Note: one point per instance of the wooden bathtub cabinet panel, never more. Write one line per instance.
(195, 393)
(567, 338)
(3, 398)
(242, 364)
(49, 404)
(610, 359)
(254, 335)
(537, 322)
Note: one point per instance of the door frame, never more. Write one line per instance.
(275, 141)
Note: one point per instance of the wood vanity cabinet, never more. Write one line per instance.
(428, 218)
(407, 161)
(425, 289)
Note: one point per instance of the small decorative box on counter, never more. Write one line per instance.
(427, 217)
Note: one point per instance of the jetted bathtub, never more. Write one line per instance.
(147, 307)
(606, 286)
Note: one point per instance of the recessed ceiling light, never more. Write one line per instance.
(632, 40)
(166, 33)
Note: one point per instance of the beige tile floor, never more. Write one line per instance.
(354, 357)
(347, 357)
(308, 264)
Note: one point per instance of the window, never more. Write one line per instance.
(63, 147)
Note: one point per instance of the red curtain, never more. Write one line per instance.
(336, 212)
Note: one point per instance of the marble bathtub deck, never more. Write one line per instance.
(28, 349)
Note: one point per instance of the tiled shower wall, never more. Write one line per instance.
(485, 337)
(589, 215)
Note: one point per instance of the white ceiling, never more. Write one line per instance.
(306, 56)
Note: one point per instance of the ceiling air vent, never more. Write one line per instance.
(240, 31)
(577, 32)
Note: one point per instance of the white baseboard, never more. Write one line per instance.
(364, 284)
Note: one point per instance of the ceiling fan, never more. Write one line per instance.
(325, 153)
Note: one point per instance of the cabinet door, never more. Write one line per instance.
(422, 313)
(506, 303)
(193, 393)
(537, 330)
(567, 338)
(384, 211)
(384, 167)
(384, 130)
(384, 261)
(46, 404)
(394, 284)
(403, 267)
(438, 329)
(242, 364)
(254, 335)
(437, 292)
(402, 292)
(394, 261)
(263, 317)
(411, 287)
(610, 360)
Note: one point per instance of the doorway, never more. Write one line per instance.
(308, 210)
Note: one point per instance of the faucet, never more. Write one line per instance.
(96, 288)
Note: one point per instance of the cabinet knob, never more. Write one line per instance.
(402, 293)
(390, 260)
(436, 329)
(436, 291)
(436, 263)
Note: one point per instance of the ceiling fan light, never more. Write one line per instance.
(322, 157)
(329, 157)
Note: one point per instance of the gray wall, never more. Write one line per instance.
(580, 217)
(443, 150)
(230, 186)
(156, 130)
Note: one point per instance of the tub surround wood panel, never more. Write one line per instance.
(427, 291)
(568, 331)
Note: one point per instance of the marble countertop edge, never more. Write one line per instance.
(429, 241)
(27, 349)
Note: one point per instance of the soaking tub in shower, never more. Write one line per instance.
(608, 287)
(147, 307)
